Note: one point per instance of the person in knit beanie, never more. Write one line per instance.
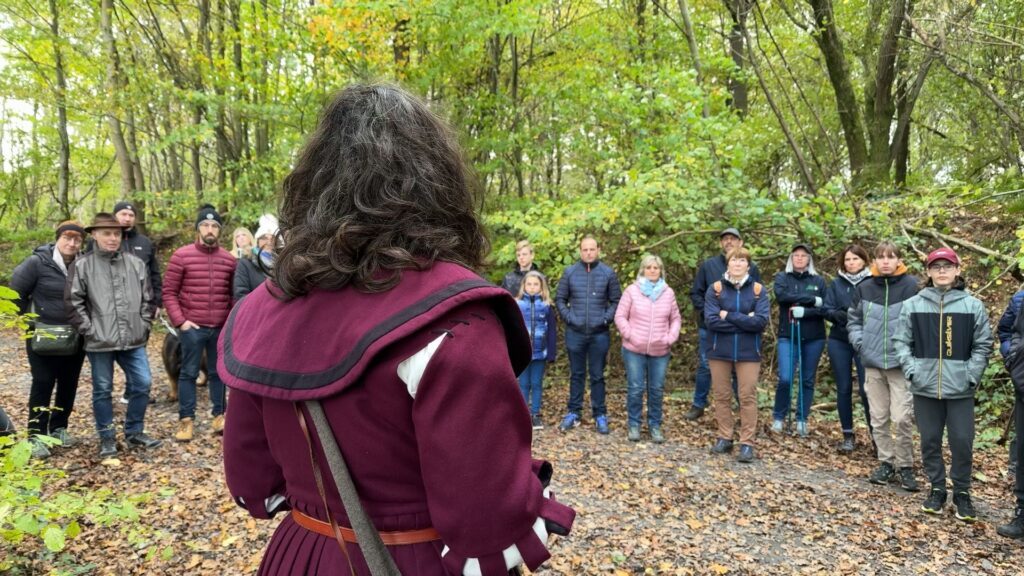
(39, 281)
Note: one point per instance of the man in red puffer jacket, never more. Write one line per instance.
(197, 296)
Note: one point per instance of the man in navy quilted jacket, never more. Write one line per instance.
(588, 294)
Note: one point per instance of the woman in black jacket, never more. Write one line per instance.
(255, 267)
(800, 292)
(39, 281)
(853, 269)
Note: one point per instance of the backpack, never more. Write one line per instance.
(758, 287)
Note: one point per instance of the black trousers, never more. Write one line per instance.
(956, 417)
(44, 413)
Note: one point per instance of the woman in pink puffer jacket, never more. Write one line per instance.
(648, 320)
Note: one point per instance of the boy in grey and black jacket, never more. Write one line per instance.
(871, 321)
(943, 342)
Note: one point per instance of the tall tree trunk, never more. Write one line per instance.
(879, 99)
(60, 89)
(827, 37)
(114, 88)
(691, 41)
(738, 10)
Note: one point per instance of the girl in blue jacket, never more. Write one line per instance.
(539, 315)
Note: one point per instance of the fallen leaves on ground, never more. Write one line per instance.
(643, 508)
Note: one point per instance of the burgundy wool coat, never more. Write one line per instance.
(419, 386)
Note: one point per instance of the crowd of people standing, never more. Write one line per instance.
(100, 303)
(435, 346)
(918, 350)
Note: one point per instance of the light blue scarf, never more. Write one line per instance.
(652, 289)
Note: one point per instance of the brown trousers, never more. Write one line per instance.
(721, 386)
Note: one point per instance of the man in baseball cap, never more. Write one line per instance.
(710, 271)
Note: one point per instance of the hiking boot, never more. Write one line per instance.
(217, 426)
(538, 424)
(185, 430)
(66, 440)
(39, 450)
(777, 426)
(746, 454)
(602, 424)
(108, 447)
(882, 475)
(634, 433)
(657, 435)
(571, 420)
(694, 413)
(907, 480)
(848, 445)
(936, 500)
(964, 507)
(141, 440)
(1015, 528)
(801, 429)
(722, 446)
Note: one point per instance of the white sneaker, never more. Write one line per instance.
(777, 426)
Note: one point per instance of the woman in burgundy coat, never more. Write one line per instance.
(411, 354)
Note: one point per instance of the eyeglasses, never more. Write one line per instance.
(71, 239)
(942, 267)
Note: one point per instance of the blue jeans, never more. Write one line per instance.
(531, 382)
(843, 358)
(810, 354)
(136, 368)
(193, 342)
(587, 352)
(645, 373)
(703, 385)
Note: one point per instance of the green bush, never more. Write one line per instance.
(31, 507)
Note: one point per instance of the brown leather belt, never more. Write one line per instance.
(349, 535)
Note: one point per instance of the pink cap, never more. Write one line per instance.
(943, 254)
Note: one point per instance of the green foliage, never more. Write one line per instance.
(32, 508)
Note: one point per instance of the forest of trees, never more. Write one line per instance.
(647, 121)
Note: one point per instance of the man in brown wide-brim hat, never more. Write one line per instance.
(111, 303)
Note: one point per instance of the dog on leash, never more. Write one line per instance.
(172, 361)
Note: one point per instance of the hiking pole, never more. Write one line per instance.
(799, 383)
(792, 368)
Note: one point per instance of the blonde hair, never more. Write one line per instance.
(545, 292)
(739, 253)
(236, 251)
(524, 244)
(646, 261)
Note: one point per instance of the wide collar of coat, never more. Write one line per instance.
(324, 341)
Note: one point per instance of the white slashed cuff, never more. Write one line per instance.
(511, 554)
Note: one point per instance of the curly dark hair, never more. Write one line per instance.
(380, 186)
